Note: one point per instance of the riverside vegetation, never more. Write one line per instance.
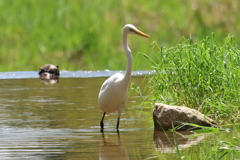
(73, 34)
(201, 72)
(205, 76)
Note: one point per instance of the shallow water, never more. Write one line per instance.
(61, 121)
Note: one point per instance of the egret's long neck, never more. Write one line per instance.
(128, 73)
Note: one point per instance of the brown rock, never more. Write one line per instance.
(167, 117)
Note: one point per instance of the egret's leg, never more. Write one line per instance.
(101, 123)
(119, 114)
(118, 122)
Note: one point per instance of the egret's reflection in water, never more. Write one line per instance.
(112, 150)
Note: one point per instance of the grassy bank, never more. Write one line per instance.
(86, 35)
(203, 75)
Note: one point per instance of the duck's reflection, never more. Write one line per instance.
(49, 80)
(168, 142)
(112, 150)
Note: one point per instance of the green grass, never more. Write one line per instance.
(86, 35)
(210, 146)
(218, 148)
(224, 146)
(200, 71)
(202, 75)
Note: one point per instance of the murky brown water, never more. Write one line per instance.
(61, 121)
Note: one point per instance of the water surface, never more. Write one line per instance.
(61, 121)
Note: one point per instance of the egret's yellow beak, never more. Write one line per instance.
(140, 33)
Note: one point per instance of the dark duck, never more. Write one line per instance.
(49, 70)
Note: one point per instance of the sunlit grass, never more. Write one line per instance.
(202, 75)
(76, 35)
(86, 35)
(218, 144)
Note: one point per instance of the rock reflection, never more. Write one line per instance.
(110, 150)
(164, 141)
(49, 79)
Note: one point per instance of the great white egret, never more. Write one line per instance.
(114, 91)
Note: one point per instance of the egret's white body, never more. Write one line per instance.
(114, 91)
(113, 95)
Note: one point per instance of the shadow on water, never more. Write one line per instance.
(45, 120)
